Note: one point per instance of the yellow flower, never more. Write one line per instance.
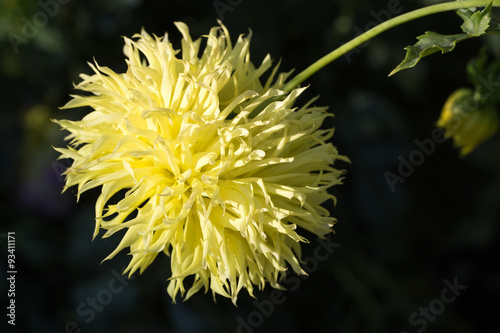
(466, 121)
(216, 176)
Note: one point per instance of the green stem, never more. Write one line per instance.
(434, 9)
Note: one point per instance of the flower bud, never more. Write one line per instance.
(467, 121)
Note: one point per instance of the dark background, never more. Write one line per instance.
(396, 247)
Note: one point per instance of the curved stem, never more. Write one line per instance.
(434, 9)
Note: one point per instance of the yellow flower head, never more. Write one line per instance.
(216, 176)
(466, 121)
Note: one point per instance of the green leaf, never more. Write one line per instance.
(476, 67)
(475, 23)
(429, 43)
(484, 75)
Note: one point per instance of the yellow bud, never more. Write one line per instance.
(466, 121)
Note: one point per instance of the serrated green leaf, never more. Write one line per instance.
(429, 43)
(475, 23)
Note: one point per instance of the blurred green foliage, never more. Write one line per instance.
(396, 248)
